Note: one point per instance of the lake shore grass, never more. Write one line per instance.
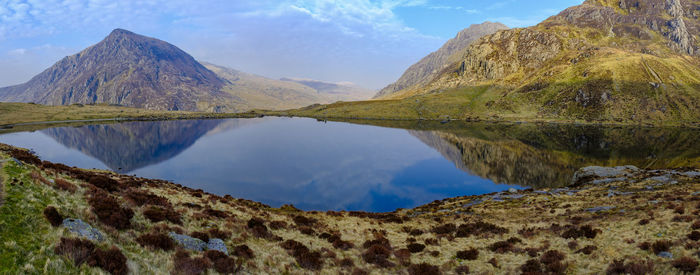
(27, 114)
(635, 225)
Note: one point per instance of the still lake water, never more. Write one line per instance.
(343, 166)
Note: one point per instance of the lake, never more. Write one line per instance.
(374, 166)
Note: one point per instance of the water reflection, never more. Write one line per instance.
(338, 165)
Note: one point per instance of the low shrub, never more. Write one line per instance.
(186, 265)
(243, 251)
(445, 229)
(423, 269)
(78, 250)
(158, 214)
(157, 241)
(141, 198)
(588, 250)
(305, 257)
(685, 264)
(64, 185)
(469, 254)
(661, 246)
(111, 260)
(415, 247)
(631, 267)
(378, 255)
(580, 232)
(109, 211)
(304, 221)
(104, 183)
(479, 228)
(52, 215)
(695, 236)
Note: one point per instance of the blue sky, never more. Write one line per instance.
(368, 42)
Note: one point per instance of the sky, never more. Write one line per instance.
(366, 42)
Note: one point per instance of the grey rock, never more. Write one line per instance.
(218, 245)
(691, 174)
(608, 180)
(512, 190)
(600, 208)
(188, 242)
(618, 173)
(665, 254)
(83, 229)
(472, 203)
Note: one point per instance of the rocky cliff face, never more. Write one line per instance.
(126, 69)
(428, 67)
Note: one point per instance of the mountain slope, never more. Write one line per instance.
(257, 92)
(126, 69)
(427, 68)
(602, 61)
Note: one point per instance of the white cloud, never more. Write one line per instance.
(17, 52)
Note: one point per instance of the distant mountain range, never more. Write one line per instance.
(133, 70)
(623, 61)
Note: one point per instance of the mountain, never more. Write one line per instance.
(341, 91)
(428, 67)
(602, 61)
(257, 92)
(137, 71)
(126, 69)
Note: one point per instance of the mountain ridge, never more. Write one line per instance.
(434, 62)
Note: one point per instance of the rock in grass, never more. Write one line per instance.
(587, 174)
(600, 208)
(218, 245)
(188, 242)
(665, 254)
(83, 229)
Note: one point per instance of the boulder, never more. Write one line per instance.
(188, 242)
(83, 229)
(218, 245)
(588, 174)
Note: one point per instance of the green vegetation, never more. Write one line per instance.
(12, 114)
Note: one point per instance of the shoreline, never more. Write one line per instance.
(598, 225)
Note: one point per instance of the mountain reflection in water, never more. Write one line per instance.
(347, 166)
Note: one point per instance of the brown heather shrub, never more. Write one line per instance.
(38, 178)
(141, 198)
(342, 245)
(306, 230)
(588, 250)
(695, 235)
(104, 183)
(643, 221)
(219, 234)
(572, 245)
(423, 269)
(580, 232)
(64, 185)
(25, 156)
(378, 255)
(404, 256)
(158, 214)
(479, 228)
(58, 167)
(469, 254)
(186, 265)
(277, 225)
(415, 232)
(156, 241)
(306, 258)
(215, 213)
(682, 218)
(685, 264)
(502, 247)
(200, 235)
(552, 261)
(528, 232)
(222, 263)
(52, 215)
(661, 246)
(431, 241)
(415, 247)
(462, 269)
(346, 263)
(109, 211)
(679, 210)
(358, 271)
(532, 266)
(631, 267)
(696, 225)
(78, 250)
(304, 221)
(243, 251)
(381, 241)
(111, 260)
(445, 229)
